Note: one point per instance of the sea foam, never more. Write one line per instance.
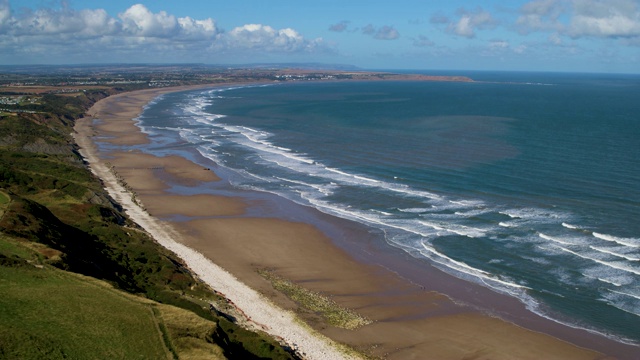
(630, 242)
(414, 214)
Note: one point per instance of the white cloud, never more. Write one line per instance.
(339, 27)
(605, 18)
(369, 30)
(498, 44)
(386, 33)
(520, 49)
(96, 23)
(197, 29)
(422, 41)
(581, 18)
(139, 21)
(470, 21)
(136, 34)
(439, 19)
(266, 38)
(47, 22)
(383, 33)
(555, 39)
(5, 12)
(540, 15)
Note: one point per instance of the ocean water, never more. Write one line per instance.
(526, 183)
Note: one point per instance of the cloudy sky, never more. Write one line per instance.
(535, 35)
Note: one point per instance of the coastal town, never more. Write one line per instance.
(22, 88)
(69, 79)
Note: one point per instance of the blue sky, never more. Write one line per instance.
(527, 35)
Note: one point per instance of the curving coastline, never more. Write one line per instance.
(263, 314)
(219, 239)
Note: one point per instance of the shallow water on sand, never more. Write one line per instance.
(528, 184)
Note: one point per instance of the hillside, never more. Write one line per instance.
(79, 279)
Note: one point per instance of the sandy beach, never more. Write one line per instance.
(228, 241)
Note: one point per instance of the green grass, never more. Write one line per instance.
(189, 334)
(49, 313)
(15, 250)
(4, 198)
(52, 175)
(56, 315)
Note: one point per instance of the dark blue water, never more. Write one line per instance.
(525, 183)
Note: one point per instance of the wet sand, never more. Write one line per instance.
(412, 318)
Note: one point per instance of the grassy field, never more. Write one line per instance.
(4, 202)
(4, 198)
(49, 313)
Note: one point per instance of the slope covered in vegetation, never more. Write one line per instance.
(56, 221)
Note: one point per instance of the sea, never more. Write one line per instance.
(524, 183)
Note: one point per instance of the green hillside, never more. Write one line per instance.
(134, 299)
(53, 314)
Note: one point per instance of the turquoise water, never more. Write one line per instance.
(525, 183)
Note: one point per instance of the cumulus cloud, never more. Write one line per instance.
(383, 33)
(439, 19)
(48, 22)
(369, 30)
(387, 33)
(422, 41)
(520, 49)
(470, 21)
(605, 18)
(136, 21)
(96, 35)
(540, 15)
(139, 21)
(499, 44)
(197, 29)
(581, 18)
(555, 39)
(339, 27)
(266, 38)
(5, 12)
(502, 49)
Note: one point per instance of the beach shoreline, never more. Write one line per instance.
(219, 237)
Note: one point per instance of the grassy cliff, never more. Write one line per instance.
(78, 279)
